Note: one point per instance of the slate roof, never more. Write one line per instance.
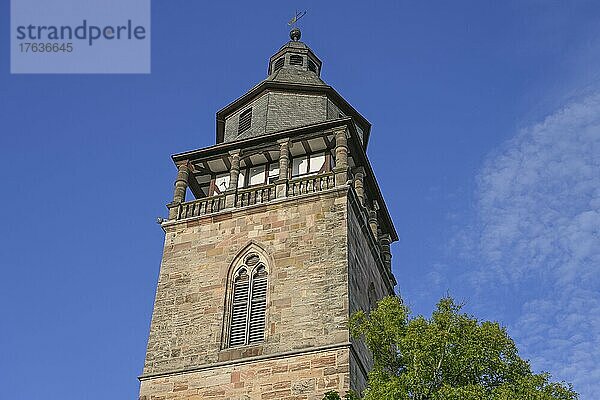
(293, 75)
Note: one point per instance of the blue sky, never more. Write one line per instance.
(485, 140)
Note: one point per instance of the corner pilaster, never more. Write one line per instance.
(181, 185)
(341, 158)
(234, 174)
(284, 162)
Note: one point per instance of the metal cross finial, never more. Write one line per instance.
(297, 16)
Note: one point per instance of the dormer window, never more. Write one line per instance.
(296, 60)
(245, 120)
(278, 64)
(312, 66)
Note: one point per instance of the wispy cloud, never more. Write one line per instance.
(537, 238)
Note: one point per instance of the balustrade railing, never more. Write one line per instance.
(205, 205)
(311, 184)
(255, 195)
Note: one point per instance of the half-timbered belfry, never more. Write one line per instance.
(275, 236)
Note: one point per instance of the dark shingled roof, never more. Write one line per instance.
(292, 75)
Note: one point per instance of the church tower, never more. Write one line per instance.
(286, 235)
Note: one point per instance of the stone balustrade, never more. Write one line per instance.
(253, 195)
(196, 208)
(311, 184)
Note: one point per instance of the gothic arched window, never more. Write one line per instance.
(248, 302)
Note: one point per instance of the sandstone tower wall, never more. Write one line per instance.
(307, 309)
(295, 377)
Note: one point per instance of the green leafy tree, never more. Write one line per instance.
(336, 396)
(450, 356)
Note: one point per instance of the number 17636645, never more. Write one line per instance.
(46, 47)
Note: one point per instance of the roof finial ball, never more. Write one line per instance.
(295, 34)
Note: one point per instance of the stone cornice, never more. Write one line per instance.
(275, 202)
(246, 360)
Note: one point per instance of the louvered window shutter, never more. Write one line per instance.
(245, 121)
(258, 304)
(239, 309)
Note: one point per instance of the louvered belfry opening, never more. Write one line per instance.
(249, 303)
(278, 64)
(296, 60)
(245, 120)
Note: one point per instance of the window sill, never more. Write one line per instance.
(235, 353)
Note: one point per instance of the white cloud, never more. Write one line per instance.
(537, 237)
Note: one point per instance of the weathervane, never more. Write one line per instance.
(297, 16)
(295, 32)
